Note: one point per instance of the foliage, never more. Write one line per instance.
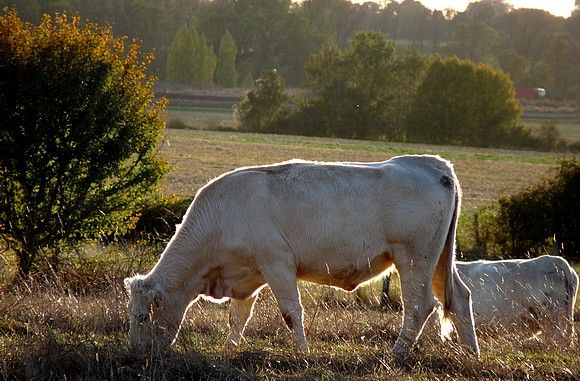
(514, 64)
(544, 218)
(79, 134)
(180, 61)
(474, 41)
(363, 91)
(263, 105)
(349, 86)
(157, 218)
(248, 81)
(550, 136)
(463, 103)
(205, 63)
(191, 60)
(226, 74)
(284, 33)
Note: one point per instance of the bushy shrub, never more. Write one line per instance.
(464, 103)
(79, 133)
(539, 220)
(158, 217)
(263, 105)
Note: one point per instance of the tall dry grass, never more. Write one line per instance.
(73, 325)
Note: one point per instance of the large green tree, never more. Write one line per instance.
(226, 74)
(180, 61)
(362, 91)
(191, 60)
(464, 103)
(79, 133)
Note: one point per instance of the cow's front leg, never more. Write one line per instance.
(240, 313)
(284, 286)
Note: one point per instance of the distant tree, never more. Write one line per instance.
(572, 23)
(263, 105)
(413, 19)
(541, 75)
(180, 61)
(350, 87)
(79, 133)
(333, 21)
(266, 33)
(464, 103)
(486, 11)
(550, 135)
(476, 41)
(205, 63)
(406, 71)
(525, 30)
(437, 28)
(514, 64)
(390, 15)
(191, 60)
(226, 74)
(248, 81)
(562, 55)
(364, 91)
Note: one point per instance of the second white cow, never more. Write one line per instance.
(338, 224)
(523, 294)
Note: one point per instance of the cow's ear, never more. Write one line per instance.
(127, 283)
(133, 283)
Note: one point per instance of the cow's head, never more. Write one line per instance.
(152, 325)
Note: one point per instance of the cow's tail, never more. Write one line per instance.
(446, 273)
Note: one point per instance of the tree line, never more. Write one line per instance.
(536, 48)
(370, 90)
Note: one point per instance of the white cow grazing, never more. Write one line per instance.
(538, 294)
(338, 224)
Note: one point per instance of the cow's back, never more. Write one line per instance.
(509, 291)
(306, 193)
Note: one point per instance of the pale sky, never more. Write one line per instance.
(556, 7)
(562, 8)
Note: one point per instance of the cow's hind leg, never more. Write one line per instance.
(284, 286)
(418, 305)
(240, 313)
(462, 314)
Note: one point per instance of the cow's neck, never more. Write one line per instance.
(180, 268)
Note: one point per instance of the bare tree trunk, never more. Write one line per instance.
(25, 260)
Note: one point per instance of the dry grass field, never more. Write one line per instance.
(73, 324)
(201, 118)
(485, 174)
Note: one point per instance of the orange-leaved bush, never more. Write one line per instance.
(79, 133)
